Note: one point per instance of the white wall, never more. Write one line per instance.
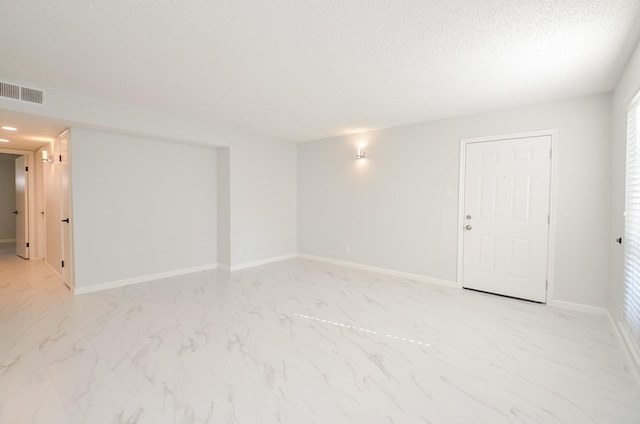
(140, 206)
(224, 207)
(392, 210)
(7, 197)
(627, 87)
(263, 200)
(262, 169)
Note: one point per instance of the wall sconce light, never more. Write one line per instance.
(360, 153)
(46, 157)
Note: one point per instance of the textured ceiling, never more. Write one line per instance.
(307, 69)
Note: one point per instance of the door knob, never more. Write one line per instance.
(66, 220)
(15, 212)
(468, 227)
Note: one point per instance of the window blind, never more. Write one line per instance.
(632, 223)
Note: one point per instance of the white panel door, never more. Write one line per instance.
(65, 231)
(22, 216)
(506, 211)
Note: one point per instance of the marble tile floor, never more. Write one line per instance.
(298, 342)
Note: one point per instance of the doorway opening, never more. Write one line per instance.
(35, 158)
(13, 204)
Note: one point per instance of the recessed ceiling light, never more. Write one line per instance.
(10, 128)
(3, 140)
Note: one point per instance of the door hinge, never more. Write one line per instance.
(62, 264)
(26, 169)
(550, 153)
(27, 244)
(60, 157)
(547, 284)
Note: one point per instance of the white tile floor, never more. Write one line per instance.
(298, 342)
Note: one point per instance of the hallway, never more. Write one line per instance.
(30, 299)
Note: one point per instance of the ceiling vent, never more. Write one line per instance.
(21, 93)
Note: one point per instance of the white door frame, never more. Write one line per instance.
(69, 270)
(31, 194)
(553, 133)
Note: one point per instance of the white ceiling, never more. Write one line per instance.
(307, 69)
(32, 132)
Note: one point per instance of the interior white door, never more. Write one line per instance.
(65, 208)
(21, 212)
(506, 217)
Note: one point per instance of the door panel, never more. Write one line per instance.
(22, 215)
(488, 197)
(506, 207)
(521, 196)
(487, 253)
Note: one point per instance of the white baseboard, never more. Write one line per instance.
(631, 354)
(151, 277)
(386, 271)
(262, 262)
(7, 241)
(561, 304)
(141, 279)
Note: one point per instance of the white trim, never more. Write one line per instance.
(631, 355)
(386, 271)
(551, 247)
(141, 279)
(262, 262)
(632, 97)
(8, 240)
(224, 267)
(498, 137)
(570, 306)
(70, 266)
(631, 351)
(462, 167)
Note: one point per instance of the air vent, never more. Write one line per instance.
(9, 90)
(21, 93)
(31, 95)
